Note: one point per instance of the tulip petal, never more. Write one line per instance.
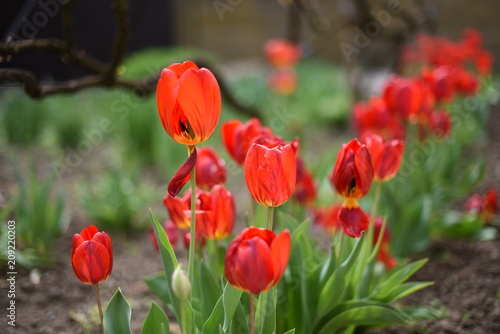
(166, 98)
(88, 232)
(182, 175)
(253, 268)
(354, 221)
(280, 252)
(91, 262)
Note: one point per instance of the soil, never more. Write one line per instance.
(466, 275)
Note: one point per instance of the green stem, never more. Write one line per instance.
(270, 217)
(98, 297)
(341, 245)
(216, 257)
(252, 314)
(192, 228)
(183, 317)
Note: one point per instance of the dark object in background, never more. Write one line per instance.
(152, 24)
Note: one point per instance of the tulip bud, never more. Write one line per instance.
(180, 283)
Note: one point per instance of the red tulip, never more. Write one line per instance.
(220, 214)
(305, 190)
(375, 116)
(238, 137)
(92, 255)
(490, 204)
(466, 83)
(256, 259)
(441, 81)
(384, 254)
(172, 234)
(403, 96)
(386, 156)
(281, 53)
(440, 123)
(353, 172)
(210, 169)
(177, 207)
(270, 172)
(352, 177)
(282, 82)
(484, 62)
(189, 102)
(200, 240)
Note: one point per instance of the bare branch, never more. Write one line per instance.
(121, 40)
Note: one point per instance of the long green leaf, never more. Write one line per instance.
(169, 264)
(335, 285)
(366, 315)
(404, 289)
(117, 315)
(156, 321)
(265, 312)
(396, 278)
(231, 301)
(210, 290)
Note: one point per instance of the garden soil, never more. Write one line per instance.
(466, 275)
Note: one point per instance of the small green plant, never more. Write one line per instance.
(40, 216)
(22, 117)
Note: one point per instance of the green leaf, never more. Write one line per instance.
(169, 264)
(210, 291)
(158, 284)
(85, 330)
(366, 315)
(405, 289)
(117, 315)
(335, 285)
(382, 292)
(156, 321)
(265, 312)
(215, 319)
(231, 301)
(291, 331)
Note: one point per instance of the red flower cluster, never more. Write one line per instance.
(445, 69)
(485, 206)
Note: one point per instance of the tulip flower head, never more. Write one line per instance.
(256, 259)
(189, 102)
(305, 191)
(281, 53)
(92, 255)
(352, 177)
(271, 171)
(219, 216)
(386, 156)
(172, 234)
(210, 169)
(237, 137)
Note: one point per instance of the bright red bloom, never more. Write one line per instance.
(189, 102)
(305, 189)
(440, 123)
(353, 172)
(282, 82)
(441, 80)
(386, 156)
(220, 213)
(270, 172)
(466, 83)
(210, 169)
(237, 137)
(375, 116)
(490, 204)
(256, 259)
(384, 254)
(352, 177)
(172, 234)
(281, 53)
(177, 207)
(484, 62)
(201, 241)
(403, 96)
(327, 217)
(92, 255)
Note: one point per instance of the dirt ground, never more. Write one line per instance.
(466, 275)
